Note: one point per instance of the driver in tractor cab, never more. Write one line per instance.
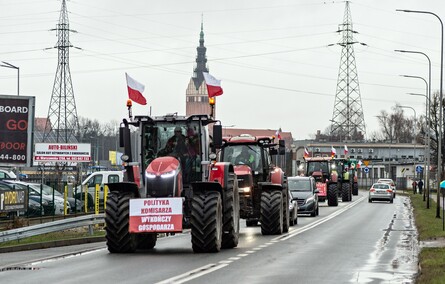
(245, 158)
(177, 145)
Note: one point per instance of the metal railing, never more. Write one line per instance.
(60, 225)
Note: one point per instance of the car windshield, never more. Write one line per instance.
(380, 186)
(299, 185)
(47, 190)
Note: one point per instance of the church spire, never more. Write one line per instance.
(201, 59)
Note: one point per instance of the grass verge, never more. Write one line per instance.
(431, 259)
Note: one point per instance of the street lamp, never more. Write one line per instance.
(415, 140)
(426, 192)
(439, 144)
(427, 106)
(9, 65)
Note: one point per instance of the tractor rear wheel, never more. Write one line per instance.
(117, 219)
(355, 189)
(332, 195)
(286, 216)
(206, 222)
(147, 241)
(271, 216)
(231, 215)
(345, 189)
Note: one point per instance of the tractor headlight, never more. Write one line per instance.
(150, 175)
(168, 175)
(244, 189)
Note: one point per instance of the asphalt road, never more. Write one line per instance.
(356, 242)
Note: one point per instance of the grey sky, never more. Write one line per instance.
(271, 56)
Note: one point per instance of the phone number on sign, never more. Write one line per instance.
(12, 157)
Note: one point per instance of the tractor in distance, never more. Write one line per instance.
(326, 177)
(173, 182)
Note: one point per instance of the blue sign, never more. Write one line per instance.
(419, 169)
(366, 170)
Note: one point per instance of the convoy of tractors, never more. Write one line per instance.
(181, 173)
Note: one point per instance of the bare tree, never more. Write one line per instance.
(395, 127)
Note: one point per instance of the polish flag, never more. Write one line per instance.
(346, 150)
(306, 152)
(213, 85)
(333, 152)
(278, 133)
(135, 90)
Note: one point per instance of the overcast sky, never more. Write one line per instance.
(272, 56)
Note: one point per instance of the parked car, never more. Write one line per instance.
(5, 174)
(72, 202)
(390, 182)
(293, 210)
(382, 192)
(304, 190)
(58, 197)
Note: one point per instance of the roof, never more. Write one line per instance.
(231, 132)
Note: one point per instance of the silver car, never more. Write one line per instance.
(382, 192)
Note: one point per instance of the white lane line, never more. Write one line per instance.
(203, 270)
(242, 254)
(206, 269)
(319, 222)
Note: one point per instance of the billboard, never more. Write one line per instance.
(16, 125)
(62, 152)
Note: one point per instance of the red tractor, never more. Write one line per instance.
(262, 186)
(180, 186)
(326, 178)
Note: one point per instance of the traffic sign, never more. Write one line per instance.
(366, 162)
(419, 169)
(366, 170)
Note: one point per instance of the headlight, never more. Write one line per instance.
(44, 202)
(168, 175)
(244, 190)
(310, 199)
(150, 175)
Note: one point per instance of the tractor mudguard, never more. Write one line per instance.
(205, 186)
(124, 187)
(268, 186)
(220, 172)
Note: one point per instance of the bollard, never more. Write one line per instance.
(90, 230)
(65, 198)
(105, 196)
(85, 190)
(96, 195)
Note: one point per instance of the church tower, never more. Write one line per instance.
(197, 99)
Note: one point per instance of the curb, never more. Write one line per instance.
(58, 243)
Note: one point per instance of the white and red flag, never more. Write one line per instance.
(306, 152)
(213, 85)
(333, 151)
(135, 90)
(278, 133)
(346, 150)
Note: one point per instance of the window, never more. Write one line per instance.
(113, 178)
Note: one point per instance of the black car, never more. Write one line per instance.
(304, 190)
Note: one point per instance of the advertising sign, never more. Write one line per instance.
(13, 200)
(155, 215)
(62, 152)
(16, 125)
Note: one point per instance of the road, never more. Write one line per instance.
(356, 242)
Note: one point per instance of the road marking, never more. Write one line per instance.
(206, 269)
(319, 222)
(203, 270)
(243, 254)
